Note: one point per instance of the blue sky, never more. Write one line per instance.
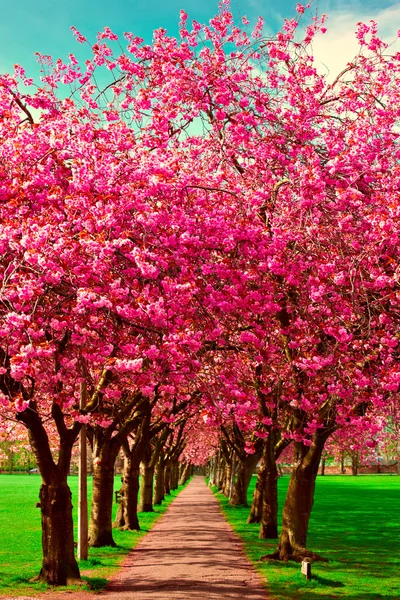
(27, 26)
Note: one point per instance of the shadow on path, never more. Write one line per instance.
(190, 554)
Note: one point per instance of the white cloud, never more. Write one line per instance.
(338, 45)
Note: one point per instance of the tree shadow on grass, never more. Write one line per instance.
(96, 583)
(325, 581)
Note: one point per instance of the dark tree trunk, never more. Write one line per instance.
(167, 481)
(269, 517)
(256, 505)
(146, 488)
(185, 474)
(214, 471)
(226, 485)
(105, 452)
(398, 459)
(323, 460)
(59, 566)
(342, 469)
(172, 478)
(245, 471)
(151, 478)
(159, 480)
(127, 517)
(181, 469)
(298, 504)
(354, 463)
(174, 475)
(220, 474)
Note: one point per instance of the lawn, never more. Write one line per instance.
(20, 536)
(355, 523)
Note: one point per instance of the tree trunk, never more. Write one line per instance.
(398, 455)
(342, 469)
(159, 481)
(146, 488)
(167, 481)
(220, 474)
(298, 504)
(127, 517)
(354, 463)
(214, 472)
(173, 484)
(105, 452)
(181, 469)
(226, 485)
(59, 565)
(176, 476)
(245, 471)
(185, 474)
(323, 466)
(269, 516)
(256, 505)
(100, 530)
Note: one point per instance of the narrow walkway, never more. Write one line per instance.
(190, 554)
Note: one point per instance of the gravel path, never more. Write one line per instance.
(190, 554)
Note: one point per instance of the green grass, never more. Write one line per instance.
(20, 537)
(355, 523)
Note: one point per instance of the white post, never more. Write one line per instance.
(306, 568)
(82, 484)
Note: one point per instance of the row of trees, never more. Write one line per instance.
(205, 248)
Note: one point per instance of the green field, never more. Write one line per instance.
(20, 537)
(355, 523)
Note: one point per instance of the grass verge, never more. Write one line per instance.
(20, 539)
(354, 523)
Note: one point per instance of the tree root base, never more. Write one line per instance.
(253, 520)
(108, 543)
(127, 527)
(72, 580)
(298, 556)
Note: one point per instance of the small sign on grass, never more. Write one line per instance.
(306, 568)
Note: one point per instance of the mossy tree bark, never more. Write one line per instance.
(185, 474)
(159, 479)
(167, 475)
(225, 468)
(226, 478)
(59, 566)
(151, 457)
(214, 470)
(220, 473)
(146, 487)
(105, 452)
(174, 475)
(257, 502)
(127, 517)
